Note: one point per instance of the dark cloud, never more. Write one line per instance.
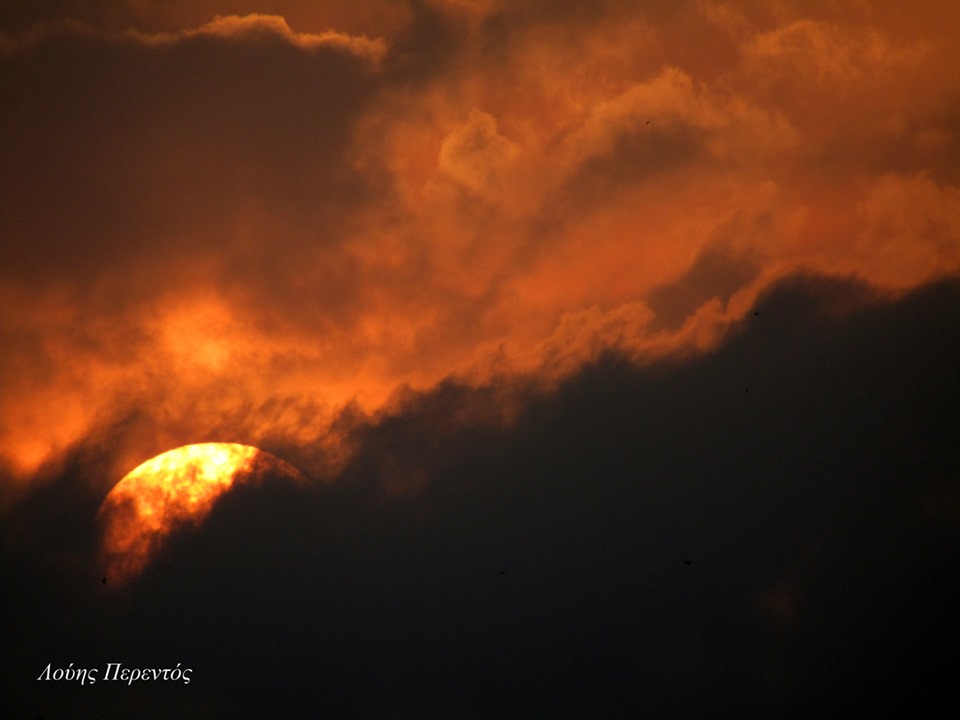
(640, 154)
(122, 154)
(714, 274)
(23, 15)
(537, 569)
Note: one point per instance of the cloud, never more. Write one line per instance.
(259, 229)
(251, 28)
(912, 229)
(473, 153)
(541, 565)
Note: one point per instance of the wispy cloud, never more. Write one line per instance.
(224, 225)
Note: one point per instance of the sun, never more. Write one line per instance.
(174, 489)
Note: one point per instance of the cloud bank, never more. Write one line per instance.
(806, 468)
(228, 227)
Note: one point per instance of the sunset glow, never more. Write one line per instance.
(327, 231)
(610, 348)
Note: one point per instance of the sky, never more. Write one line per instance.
(608, 352)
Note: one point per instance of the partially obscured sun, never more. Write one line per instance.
(173, 489)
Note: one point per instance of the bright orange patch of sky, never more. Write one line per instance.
(234, 228)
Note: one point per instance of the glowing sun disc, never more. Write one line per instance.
(173, 489)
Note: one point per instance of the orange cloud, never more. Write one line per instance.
(251, 28)
(248, 29)
(210, 237)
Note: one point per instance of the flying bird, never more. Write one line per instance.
(687, 562)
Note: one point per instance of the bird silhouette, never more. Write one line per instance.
(687, 562)
(104, 581)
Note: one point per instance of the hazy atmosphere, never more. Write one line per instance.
(604, 357)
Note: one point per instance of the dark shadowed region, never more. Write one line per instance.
(645, 542)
